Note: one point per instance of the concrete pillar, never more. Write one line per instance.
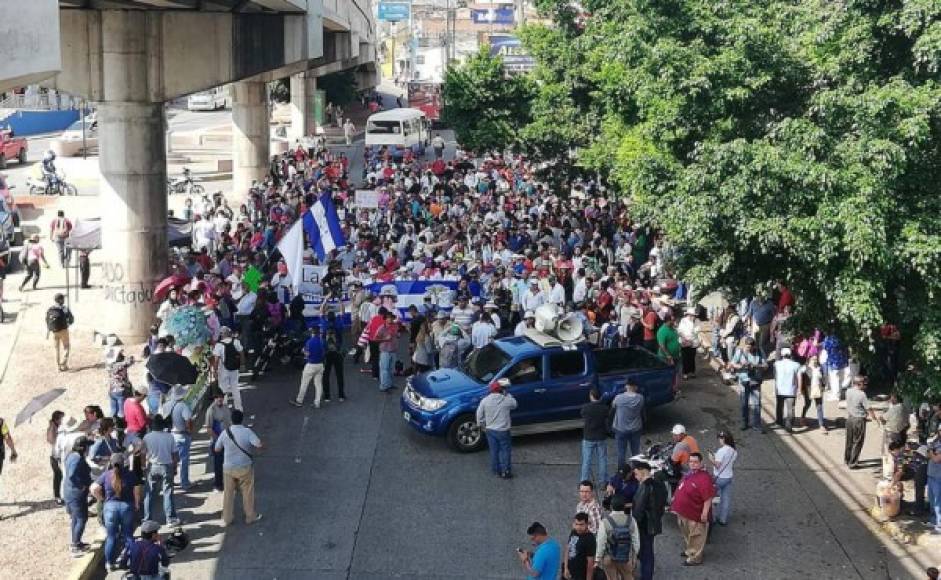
(250, 135)
(303, 123)
(132, 135)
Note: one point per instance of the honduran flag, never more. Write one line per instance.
(323, 226)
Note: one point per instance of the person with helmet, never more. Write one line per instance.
(683, 445)
(749, 365)
(49, 170)
(493, 416)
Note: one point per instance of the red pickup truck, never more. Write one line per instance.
(11, 148)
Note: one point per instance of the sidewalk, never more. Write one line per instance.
(822, 452)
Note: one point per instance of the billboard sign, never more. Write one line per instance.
(492, 15)
(393, 11)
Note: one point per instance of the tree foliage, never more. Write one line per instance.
(339, 88)
(483, 105)
(777, 139)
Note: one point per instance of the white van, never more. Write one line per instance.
(400, 129)
(211, 100)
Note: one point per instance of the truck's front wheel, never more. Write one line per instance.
(465, 435)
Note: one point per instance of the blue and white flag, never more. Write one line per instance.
(323, 226)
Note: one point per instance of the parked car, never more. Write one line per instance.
(12, 148)
(73, 142)
(550, 384)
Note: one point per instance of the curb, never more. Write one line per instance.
(88, 565)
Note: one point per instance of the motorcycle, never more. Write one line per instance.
(43, 186)
(282, 346)
(659, 457)
(186, 184)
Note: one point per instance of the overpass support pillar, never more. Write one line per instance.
(132, 144)
(303, 88)
(250, 136)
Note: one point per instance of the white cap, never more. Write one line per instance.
(529, 314)
(679, 429)
(785, 351)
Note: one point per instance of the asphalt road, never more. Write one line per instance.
(349, 491)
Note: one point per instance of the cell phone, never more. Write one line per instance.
(519, 550)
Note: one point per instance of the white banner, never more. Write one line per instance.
(367, 198)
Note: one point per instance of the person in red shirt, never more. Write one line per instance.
(649, 321)
(785, 298)
(691, 504)
(134, 414)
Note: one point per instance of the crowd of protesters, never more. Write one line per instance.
(511, 244)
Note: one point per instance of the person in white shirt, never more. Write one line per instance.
(482, 332)
(529, 321)
(785, 387)
(556, 292)
(204, 234)
(533, 298)
(722, 461)
(688, 329)
(490, 313)
(582, 285)
(247, 302)
(227, 377)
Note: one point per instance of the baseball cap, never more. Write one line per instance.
(679, 429)
(149, 527)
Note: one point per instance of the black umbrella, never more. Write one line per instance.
(172, 369)
(36, 405)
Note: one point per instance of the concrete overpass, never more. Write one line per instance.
(131, 56)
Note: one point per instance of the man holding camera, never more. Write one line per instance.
(493, 416)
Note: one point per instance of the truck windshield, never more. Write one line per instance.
(484, 364)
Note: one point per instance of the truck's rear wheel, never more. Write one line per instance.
(22, 156)
(3, 161)
(465, 435)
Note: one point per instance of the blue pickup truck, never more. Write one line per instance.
(550, 385)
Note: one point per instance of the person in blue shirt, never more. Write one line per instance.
(545, 562)
(144, 557)
(314, 353)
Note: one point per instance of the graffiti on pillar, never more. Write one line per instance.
(119, 290)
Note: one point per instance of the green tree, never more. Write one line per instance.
(339, 88)
(769, 140)
(483, 105)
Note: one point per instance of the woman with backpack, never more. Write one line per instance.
(722, 461)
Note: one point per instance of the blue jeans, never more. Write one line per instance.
(77, 508)
(183, 444)
(623, 439)
(724, 489)
(500, 451)
(645, 555)
(934, 498)
(386, 370)
(119, 519)
(117, 405)
(749, 399)
(589, 450)
(159, 480)
(153, 400)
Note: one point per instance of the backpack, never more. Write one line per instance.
(230, 356)
(56, 319)
(177, 542)
(619, 541)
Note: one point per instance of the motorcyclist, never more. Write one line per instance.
(49, 169)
